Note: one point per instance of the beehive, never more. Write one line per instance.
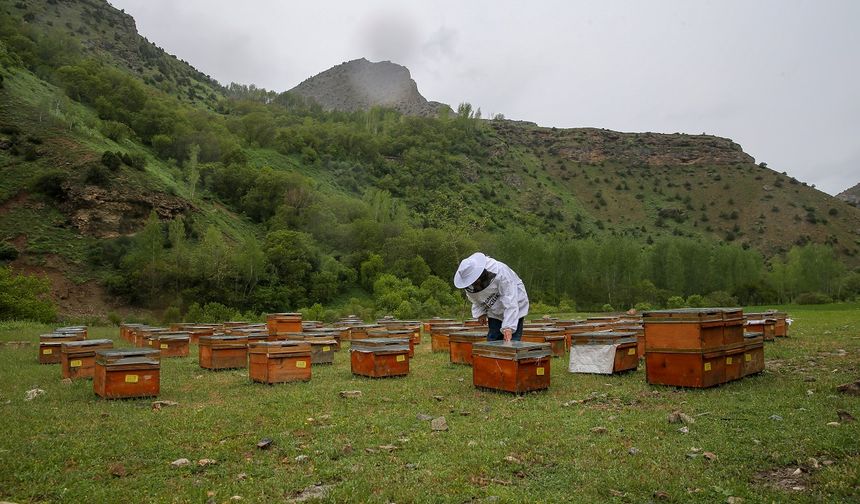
(359, 331)
(121, 374)
(753, 354)
(549, 334)
(284, 322)
(171, 344)
(625, 357)
(439, 336)
(395, 333)
(380, 357)
(78, 358)
(279, 361)
(460, 345)
(50, 346)
(223, 352)
(511, 366)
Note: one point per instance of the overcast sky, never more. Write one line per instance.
(779, 77)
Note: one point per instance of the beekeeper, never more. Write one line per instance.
(497, 294)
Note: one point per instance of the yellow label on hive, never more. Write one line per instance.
(748, 357)
(707, 366)
(301, 364)
(131, 378)
(540, 371)
(632, 351)
(150, 342)
(164, 345)
(47, 351)
(326, 349)
(76, 363)
(728, 360)
(401, 358)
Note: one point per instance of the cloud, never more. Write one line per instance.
(389, 35)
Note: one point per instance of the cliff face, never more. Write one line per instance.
(851, 196)
(361, 84)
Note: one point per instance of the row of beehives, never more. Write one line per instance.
(283, 349)
(688, 347)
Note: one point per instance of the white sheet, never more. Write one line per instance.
(597, 359)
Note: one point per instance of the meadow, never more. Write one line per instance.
(587, 439)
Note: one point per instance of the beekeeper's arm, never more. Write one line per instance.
(508, 297)
(478, 309)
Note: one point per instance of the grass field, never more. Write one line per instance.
(69, 446)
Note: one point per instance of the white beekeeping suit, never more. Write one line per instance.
(504, 298)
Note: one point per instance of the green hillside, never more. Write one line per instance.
(133, 180)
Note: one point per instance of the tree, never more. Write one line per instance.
(193, 172)
(25, 297)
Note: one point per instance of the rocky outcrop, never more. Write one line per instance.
(361, 84)
(851, 196)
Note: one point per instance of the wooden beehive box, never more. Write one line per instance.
(474, 323)
(685, 368)
(196, 331)
(50, 346)
(78, 358)
(360, 331)
(380, 357)
(284, 322)
(322, 349)
(734, 361)
(172, 344)
(412, 326)
(781, 328)
(73, 330)
(141, 336)
(549, 334)
(223, 352)
(699, 329)
(121, 374)
(125, 331)
(761, 323)
(753, 354)
(439, 336)
(639, 331)
(395, 333)
(626, 357)
(279, 361)
(511, 366)
(460, 345)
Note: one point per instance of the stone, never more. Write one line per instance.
(264, 444)
(776, 418)
(33, 393)
(850, 388)
(598, 430)
(302, 459)
(439, 424)
(833, 424)
(844, 416)
(182, 462)
(679, 417)
(157, 405)
(206, 462)
(424, 417)
(684, 430)
(710, 456)
(350, 394)
(633, 450)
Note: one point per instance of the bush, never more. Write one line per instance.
(607, 308)
(114, 318)
(8, 252)
(720, 298)
(171, 315)
(112, 160)
(97, 175)
(25, 298)
(696, 301)
(675, 302)
(813, 298)
(51, 184)
(136, 161)
(640, 307)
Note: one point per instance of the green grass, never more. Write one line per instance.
(61, 446)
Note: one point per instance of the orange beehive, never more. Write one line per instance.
(686, 368)
(685, 329)
(121, 374)
(439, 336)
(639, 331)
(380, 357)
(395, 333)
(78, 358)
(50, 346)
(125, 331)
(359, 331)
(460, 345)
(753, 354)
(625, 358)
(734, 361)
(223, 352)
(762, 324)
(171, 344)
(73, 329)
(284, 322)
(511, 366)
(550, 334)
(279, 361)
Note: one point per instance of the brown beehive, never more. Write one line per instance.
(50, 346)
(511, 366)
(121, 374)
(223, 352)
(460, 345)
(380, 357)
(78, 358)
(279, 361)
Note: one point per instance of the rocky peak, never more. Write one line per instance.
(361, 84)
(851, 196)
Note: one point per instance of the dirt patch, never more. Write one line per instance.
(787, 479)
(16, 201)
(87, 299)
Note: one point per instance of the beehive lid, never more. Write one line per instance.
(604, 338)
(280, 347)
(109, 356)
(59, 337)
(684, 315)
(224, 340)
(71, 328)
(450, 329)
(381, 345)
(511, 350)
(177, 336)
(86, 344)
(469, 337)
(321, 342)
(543, 330)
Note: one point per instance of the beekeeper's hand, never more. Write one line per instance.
(482, 320)
(507, 333)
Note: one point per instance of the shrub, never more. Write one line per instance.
(695, 301)
(812, 298)
(607, 308)
(8, 252)
(171, 315)
(51, 184)
(97, 175)
(640, 307)
(25, 298)
(720, 298)
(675, 302)
(112, 160)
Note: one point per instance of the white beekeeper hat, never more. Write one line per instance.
(470, 269)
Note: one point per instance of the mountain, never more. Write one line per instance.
(129, 178)
(851, 195)
(361, 84)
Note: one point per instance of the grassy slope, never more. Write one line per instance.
(72, 438)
